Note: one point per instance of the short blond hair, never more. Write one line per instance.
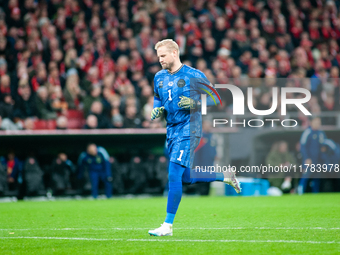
(169, 43)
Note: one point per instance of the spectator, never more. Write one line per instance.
(33, 177)
(132, 120)
(88, 100)
(54, 79)
(91, 122)
(28, 124)
(122, 50)
(330, 157)
(3, 66)
(5, 83)
(102, 119)
(40, 79)
(13, 167)
(251, 36)
(14, 18)
(71, 59)
(57, 100)
(62, 123)
(117, 118)
(72, 93)
(106, 99)
(137, 182)
(61, 172)
(43, 104)
(105, 65)
(96, 161)
(244, 61)
(311, 141)
(6, 113)
(25, 106)
(280, 156)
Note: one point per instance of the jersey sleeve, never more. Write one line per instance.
(80, 164)
(155, 87)
(204, 86)
(303, 143)
(157, 100)
(106, 161)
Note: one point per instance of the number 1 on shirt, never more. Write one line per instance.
(180, 156)
(170, 94)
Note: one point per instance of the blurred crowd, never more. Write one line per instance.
(90, 64)
(95, 171)
(314, 163)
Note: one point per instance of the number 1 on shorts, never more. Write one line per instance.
(180, 156)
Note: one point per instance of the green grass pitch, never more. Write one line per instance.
(308, 224)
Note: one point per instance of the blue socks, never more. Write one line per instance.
(179, 174)
(219, 177)
(169, 218)
(191, 176)
(174, 198)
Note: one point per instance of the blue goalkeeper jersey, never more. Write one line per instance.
(168, 87)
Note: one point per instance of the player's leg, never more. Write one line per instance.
(174, 198)
(107, 184)
(175, 190)
(195, 176)
(191, 176)
(316, 185)
(94, 177)
(180, 160)
(303, 183)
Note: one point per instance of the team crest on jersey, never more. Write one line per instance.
(89, 161)
(171, 83)
(161, 84)
(98, 160)
(181, 83)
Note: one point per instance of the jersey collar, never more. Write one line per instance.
(176, 70)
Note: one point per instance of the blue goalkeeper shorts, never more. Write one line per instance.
(181, 150)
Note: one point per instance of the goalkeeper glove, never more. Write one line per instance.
(187, 103)
(157, 112)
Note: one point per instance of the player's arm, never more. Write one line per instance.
(214, 100)
(189, 103)
(158, 109)
(206, 87)
(107, 167)
(106, 162)
(81, 162)
(304, 144)
(202, 86)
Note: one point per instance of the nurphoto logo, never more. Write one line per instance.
(238, 105)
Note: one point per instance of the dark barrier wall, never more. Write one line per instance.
(264, 139)
(47, 144)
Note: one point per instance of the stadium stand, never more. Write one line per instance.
(86, 51)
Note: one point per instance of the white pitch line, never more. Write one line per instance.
(169, 240)
(61, 238)
(125, 229)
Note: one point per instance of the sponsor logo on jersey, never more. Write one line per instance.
(181, 83)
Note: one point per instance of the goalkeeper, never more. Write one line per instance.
(177, 97)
